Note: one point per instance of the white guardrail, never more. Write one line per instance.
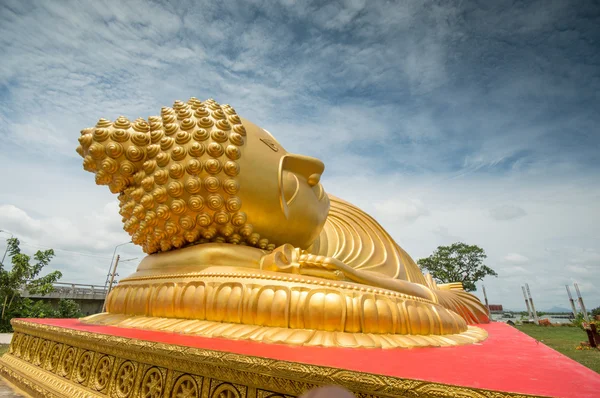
(72, 291)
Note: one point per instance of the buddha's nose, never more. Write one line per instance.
(306, 166)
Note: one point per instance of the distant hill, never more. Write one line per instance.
(554, 309)
(557, 309)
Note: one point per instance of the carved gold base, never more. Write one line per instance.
(245, 304)
(50, 361)
(269, 334)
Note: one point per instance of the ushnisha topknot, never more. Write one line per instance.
(175, 175)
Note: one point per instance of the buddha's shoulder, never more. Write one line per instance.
(351, 235)
(348, 215)
(354, 237)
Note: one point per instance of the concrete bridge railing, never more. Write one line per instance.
(74, 291)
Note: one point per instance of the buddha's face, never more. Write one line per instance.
(281, 192)
(199, 173)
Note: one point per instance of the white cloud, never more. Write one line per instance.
(515, 271)
(403, 210)
(580, 269)
(533, 249)
(81, 243)
(516, 258)
(507, 212)
(423, 113)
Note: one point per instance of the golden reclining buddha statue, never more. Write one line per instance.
(243, 242)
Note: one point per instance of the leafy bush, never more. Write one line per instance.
(69, 309)
(23, 275)
(578, 321)
(34, 309)
(27, 308)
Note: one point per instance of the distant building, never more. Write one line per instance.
(496, 308)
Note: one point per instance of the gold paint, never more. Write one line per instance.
(239, 227)
(110, 366)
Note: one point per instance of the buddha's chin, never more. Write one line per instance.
(215, 291)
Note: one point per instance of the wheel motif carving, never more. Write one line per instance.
(20, 351)
(40, 357)
(152, 385)
(226, 391)
(33, 349)
(102, 374)
(68, 361)
(84, 367)
(54, 357)
(125, 379)
(12, 348)
(185, 387)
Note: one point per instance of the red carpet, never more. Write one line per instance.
(507, 361)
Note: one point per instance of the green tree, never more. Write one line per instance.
(68, 309)
(458, 262)
(28, 308)
(24, 275)
(596, 312)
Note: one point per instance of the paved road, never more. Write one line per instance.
(6, 391)
(5, 338)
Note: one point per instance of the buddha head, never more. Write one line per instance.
(199, 173)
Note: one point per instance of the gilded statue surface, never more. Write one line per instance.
(244, 242)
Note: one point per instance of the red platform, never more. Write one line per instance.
(507, 361)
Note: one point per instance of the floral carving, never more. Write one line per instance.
(84, 366)
(68, 361)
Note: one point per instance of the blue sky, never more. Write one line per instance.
(471, 121)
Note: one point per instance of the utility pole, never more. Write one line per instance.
(585, 314)
(527, 303)
(571, 301)
(485, 297)
(6, 250)
(111, 263)
(535, 316)
(112, 278)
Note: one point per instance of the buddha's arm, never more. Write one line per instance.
(286, 258)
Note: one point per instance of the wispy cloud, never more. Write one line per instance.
(507, 212)
(516, 258)
(445, 120)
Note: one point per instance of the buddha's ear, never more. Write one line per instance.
(297, 166)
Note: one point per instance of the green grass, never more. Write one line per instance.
(564, 340)
(3, 348)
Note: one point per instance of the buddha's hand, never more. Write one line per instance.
(294, 260)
